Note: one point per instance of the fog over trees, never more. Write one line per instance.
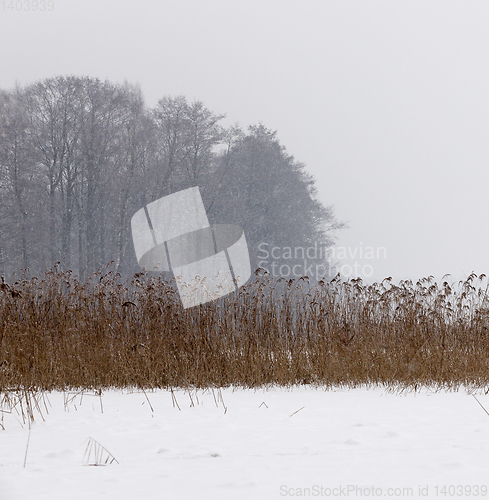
(79, 156)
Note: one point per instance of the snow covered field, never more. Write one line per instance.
(246, 444)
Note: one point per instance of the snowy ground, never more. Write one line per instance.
(246, 444)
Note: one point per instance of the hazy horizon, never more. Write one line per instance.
(384, 102)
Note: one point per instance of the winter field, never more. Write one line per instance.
(247, 444)
(283, 389)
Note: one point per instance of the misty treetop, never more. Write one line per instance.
(79, 156)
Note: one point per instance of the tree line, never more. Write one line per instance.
(79, 156)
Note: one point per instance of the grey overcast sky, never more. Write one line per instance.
(386, 102)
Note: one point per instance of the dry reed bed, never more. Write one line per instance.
(59, 334)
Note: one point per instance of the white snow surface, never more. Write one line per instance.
(250, 444)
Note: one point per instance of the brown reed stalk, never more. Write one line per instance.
(58, 333)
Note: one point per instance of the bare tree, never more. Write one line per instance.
(17, 164)
(79, 156)
(187, 135)
(54, 108)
